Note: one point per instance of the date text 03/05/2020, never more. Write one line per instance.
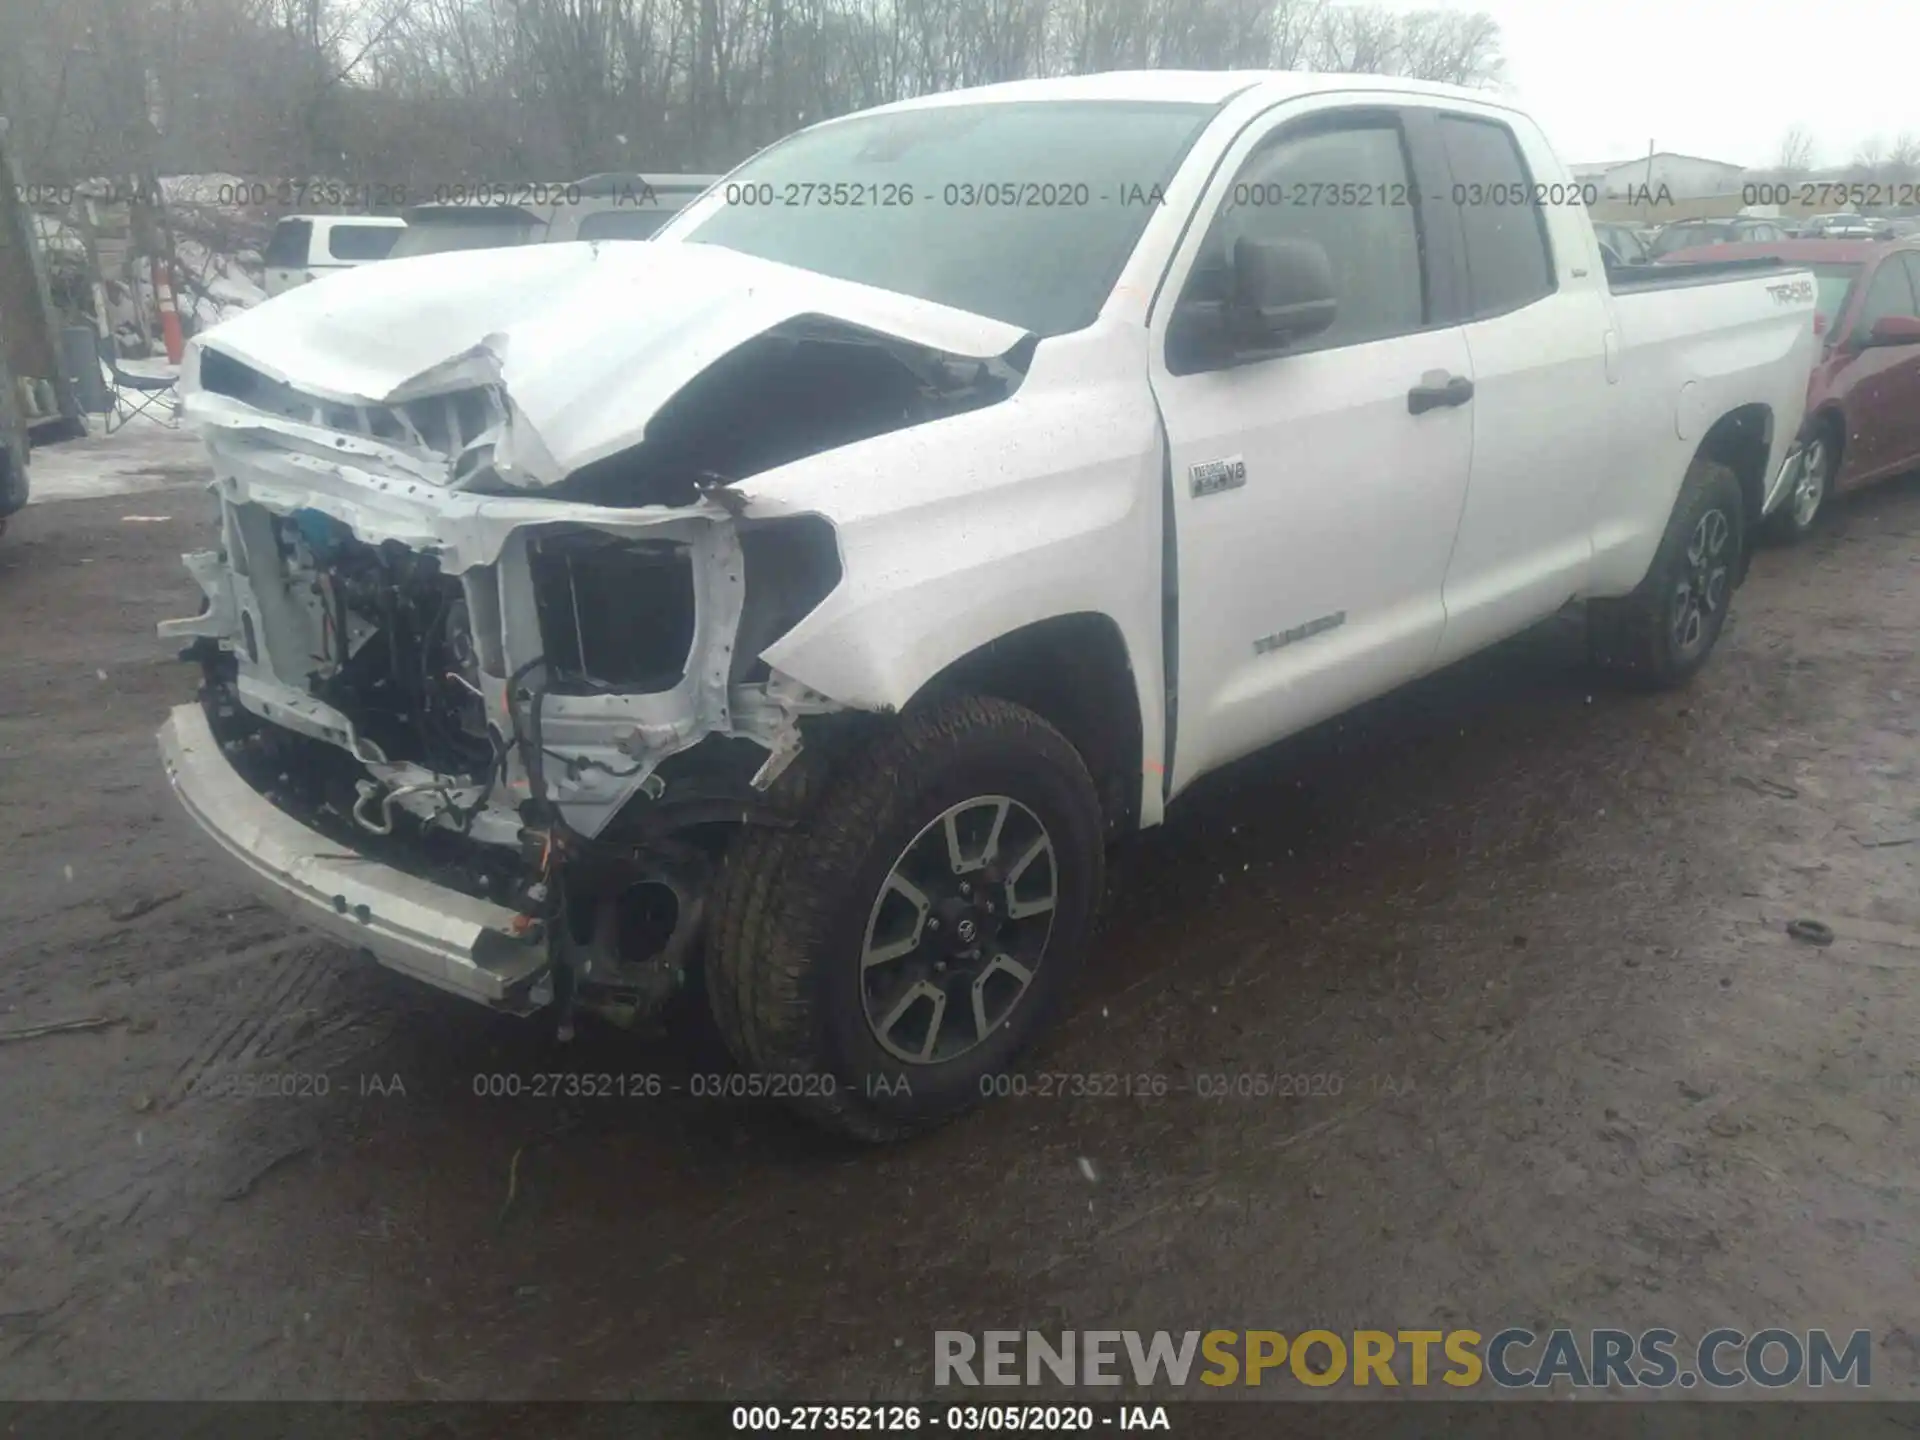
(954, 1419)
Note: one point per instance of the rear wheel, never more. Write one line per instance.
(1659, 636)
(885, 961)
(1801, 511)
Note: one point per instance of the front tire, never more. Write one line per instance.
(1659, 637)
(884, 961)
(1801, 512)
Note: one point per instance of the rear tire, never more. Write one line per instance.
(1799, 514)
(1658, 637)
(881, 963)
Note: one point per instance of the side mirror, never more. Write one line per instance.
(1270, 293)
(1282, 291)
(1895, 330)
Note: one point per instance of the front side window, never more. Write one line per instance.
(1889, 294)
(1346, 188)
(1508, 263)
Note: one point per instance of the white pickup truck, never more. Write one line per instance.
(790, 610)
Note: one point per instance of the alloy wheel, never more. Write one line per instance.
(1700, 594)
(1812, 487)
(959, 930)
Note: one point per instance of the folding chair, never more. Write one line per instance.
(129, 394)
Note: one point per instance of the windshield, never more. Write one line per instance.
(1831, 283)
(439, 234)
(1023, 212)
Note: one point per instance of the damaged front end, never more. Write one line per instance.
(504, 721)
(490, 712)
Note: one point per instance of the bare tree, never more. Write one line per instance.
(1356, 40)
(502, 90)
(1446, 45)
(1867, 159)
(1903, 160)
(1796, 153)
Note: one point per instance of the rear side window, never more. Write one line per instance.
(287, 250)
(1507, 260)
(361, 242)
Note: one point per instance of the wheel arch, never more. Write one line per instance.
(1075, 672)
(1742, 440)
(1832, 414)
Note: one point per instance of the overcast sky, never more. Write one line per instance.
(1709, 77)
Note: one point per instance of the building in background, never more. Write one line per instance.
(1684, 177)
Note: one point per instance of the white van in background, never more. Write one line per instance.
(305, 247)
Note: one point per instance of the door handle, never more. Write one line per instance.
(1437, 388)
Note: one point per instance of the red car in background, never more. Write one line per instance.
(1863, 399)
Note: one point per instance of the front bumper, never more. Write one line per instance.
(456, 942)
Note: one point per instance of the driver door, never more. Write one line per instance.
(1884, 379)
(1317, 491)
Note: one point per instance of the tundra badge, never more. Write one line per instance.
(1267, 644)
(1212, 476)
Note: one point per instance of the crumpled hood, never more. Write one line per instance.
(586, 341)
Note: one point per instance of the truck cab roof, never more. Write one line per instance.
(1203, 87)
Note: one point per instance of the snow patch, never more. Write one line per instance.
(141, 456)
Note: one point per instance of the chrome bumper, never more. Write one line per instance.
(1784, 480)
(450, 940)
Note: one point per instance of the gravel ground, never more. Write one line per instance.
(1523, 936)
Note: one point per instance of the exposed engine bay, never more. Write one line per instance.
(557, 702)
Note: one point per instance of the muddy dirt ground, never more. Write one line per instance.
(1527, 933)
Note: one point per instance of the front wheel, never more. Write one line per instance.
(1796, 518)
(1659, 636)
(888, 959)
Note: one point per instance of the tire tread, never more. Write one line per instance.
(1626, 636)
(777, 894)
